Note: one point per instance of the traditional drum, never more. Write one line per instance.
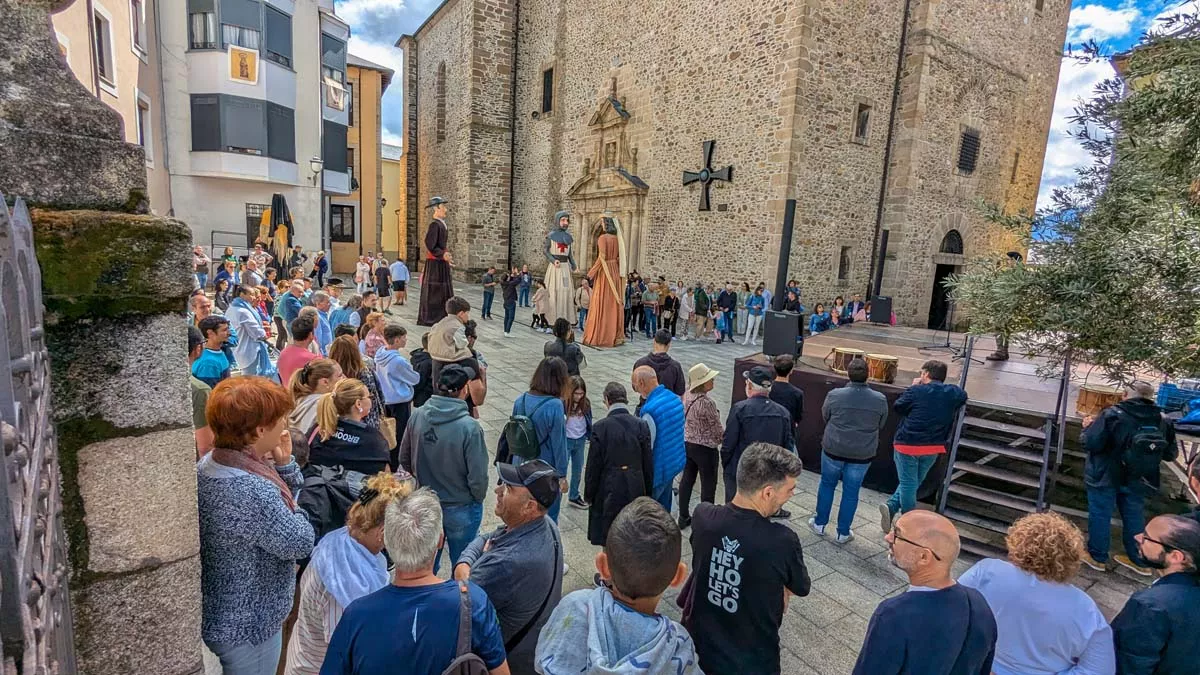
(1093, 398)
(882, 367)
(842, 356)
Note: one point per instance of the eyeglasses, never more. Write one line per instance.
(1165, 545)
(899, 537)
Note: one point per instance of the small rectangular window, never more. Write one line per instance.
(240, 36)
(350, 163)
(350, 103)
(862, 122)
(202, 30)
(277, 36)
(844, 264)
(254, 214)
(104, 55)
(341, 223)
(144, 135)
(1039, 5)
(137, 25)
(968, 151)
(547, 90)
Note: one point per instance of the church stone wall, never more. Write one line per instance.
(776, 84)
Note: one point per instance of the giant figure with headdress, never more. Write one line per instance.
(606, 317)
(560, 254)
(436, 284)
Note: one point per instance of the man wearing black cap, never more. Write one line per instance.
(756, 419)
(443, 449)
(436, 285)
(516, 563)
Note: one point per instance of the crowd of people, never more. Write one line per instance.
(343, 481)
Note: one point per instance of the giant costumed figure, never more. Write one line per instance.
(436, 285)
(560, 288)
(606, 318)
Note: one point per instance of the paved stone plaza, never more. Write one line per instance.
(821, 633)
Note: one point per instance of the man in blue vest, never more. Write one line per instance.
(662, 410)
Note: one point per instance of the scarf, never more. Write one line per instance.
(347, 569)
(241, 459)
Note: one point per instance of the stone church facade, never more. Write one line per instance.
(875, 115)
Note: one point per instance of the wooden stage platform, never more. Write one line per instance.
(1011, 385)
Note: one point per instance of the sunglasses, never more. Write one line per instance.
(899, 537)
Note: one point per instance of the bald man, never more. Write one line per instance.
(1156, 632)
(937, 627)
(662, 411)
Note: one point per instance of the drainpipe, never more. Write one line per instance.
(512, 141)
(887, 151)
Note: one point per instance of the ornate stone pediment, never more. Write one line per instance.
(610, 163)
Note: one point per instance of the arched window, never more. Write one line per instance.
(952, 243)
(440, 94)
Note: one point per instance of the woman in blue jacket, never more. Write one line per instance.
(820, 321)
(543, 405)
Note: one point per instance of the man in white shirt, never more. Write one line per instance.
(399, 280)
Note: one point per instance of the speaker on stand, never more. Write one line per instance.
(782, 334)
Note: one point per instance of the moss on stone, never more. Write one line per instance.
(105, 263)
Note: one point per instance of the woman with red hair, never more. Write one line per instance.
(251, 533)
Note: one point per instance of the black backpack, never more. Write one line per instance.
(520, 436)
(465, 661)
(1143, 452)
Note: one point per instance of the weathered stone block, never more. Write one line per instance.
(117, 373)
(158, 468)
(140, 623)
(104, 264)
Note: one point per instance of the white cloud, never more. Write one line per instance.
(1064, 154)
(1097, 22)
(355, 12)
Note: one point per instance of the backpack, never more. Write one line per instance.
(1142, 454)
(465, 661)
(520, 436)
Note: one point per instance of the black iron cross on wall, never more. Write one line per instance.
(706, 175)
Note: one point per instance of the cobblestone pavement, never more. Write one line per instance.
(821, 633)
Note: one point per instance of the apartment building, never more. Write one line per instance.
(356, 217)
(235, 101)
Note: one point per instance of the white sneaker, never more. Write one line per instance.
(565, 567)
(845, 538)
(818, 530)
(508, 335)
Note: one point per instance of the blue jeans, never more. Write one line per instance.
(851, 475)
(523, 296)
(248, 659)
(662, 495)
(486, 312)
(575, 448)
(510, 315)
(1101, 502)
(651, 321)
(202, 279)
(911, 470)
(582, 320)
(460, 524)
(730, 318)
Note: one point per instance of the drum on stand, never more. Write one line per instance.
(882, 367)
(1094, 397)
(842, 356)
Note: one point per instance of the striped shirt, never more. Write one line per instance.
(316, 618)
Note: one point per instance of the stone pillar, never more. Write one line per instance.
(114, 284)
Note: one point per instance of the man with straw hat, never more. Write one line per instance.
(702, 433)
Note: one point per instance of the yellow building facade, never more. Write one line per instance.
(393, 240)
(356, 220)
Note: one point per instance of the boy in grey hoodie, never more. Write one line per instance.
(618, 621)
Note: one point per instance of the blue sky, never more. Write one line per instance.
(1116, 24)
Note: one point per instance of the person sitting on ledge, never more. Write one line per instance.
(820, 321)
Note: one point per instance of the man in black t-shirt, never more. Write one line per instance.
(742, 565)
(787, 394)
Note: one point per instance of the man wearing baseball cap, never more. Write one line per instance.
(519, 564)
(443, 448)
(756, 419)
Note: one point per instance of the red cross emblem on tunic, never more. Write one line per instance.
(560, 247)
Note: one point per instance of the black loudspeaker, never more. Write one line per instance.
(881, 309)
(781, 334)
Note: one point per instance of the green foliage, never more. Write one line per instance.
(1115, 279)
